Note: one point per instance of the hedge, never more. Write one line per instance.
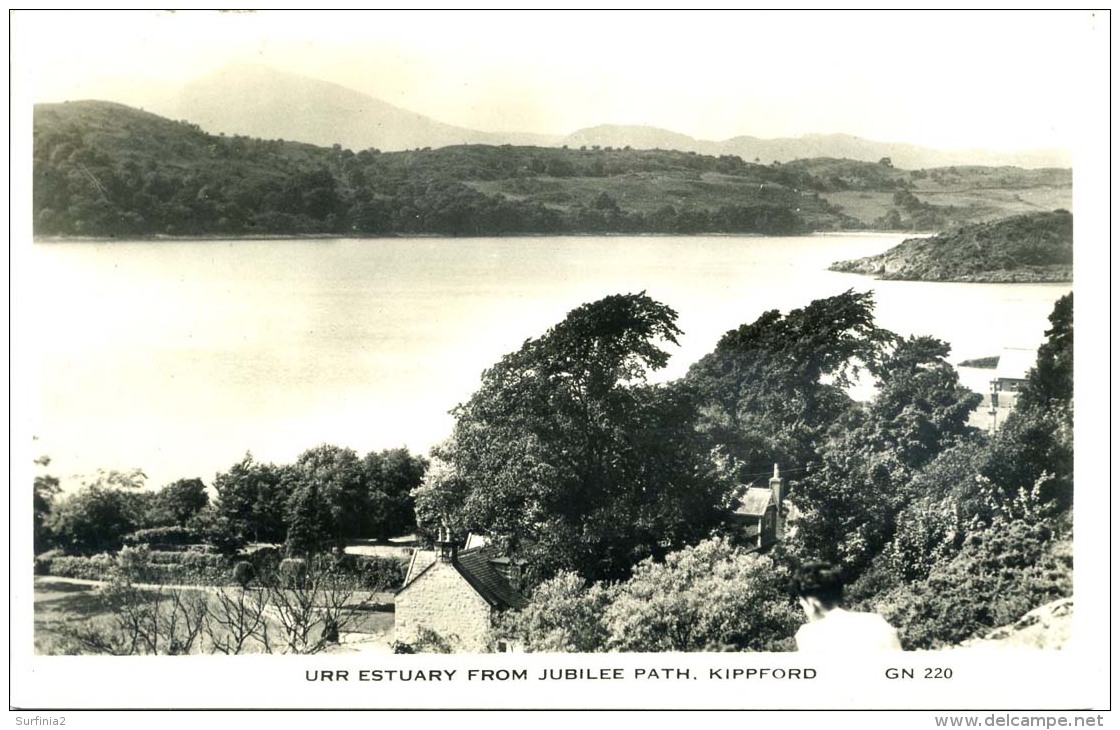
(168, 536)
(372, 573)
(147, 567)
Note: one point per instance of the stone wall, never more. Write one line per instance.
(442, 601)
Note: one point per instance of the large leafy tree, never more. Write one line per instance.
(252, 500)
(328, 501)
(1035, 444)
(179, 501)
(569, 457)
(773, 388)
(96, 517)
(391, 476)
(851, 500)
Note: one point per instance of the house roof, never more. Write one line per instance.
(755, 502)
(477, 566)
(421, 561)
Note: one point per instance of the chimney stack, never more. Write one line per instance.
(447, 551)
(776, 488)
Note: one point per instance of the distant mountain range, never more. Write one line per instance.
(259, 101)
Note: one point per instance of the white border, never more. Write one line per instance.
(1077, 678)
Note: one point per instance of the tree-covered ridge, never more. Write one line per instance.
(1033, 247)
(103, 169)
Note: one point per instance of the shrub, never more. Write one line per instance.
(1001, 573)
(264, 559)
(426, 642)
(132, 562)
(43, 561)
(378, 573)
(243, 573)
(565, 615)
(94, 567)
(292, 571)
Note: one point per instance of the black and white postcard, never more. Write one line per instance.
(560, 360)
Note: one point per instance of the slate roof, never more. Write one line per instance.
(477, 566)
(755, 502)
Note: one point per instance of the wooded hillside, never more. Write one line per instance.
(103, 169)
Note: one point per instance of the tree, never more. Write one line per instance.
(772, 389)
(46, 490)
(1000, 573)
(568, 457)
(712, 596)
(252, 500)
(850, 503)
(96, 517)
(977, 489)
(441, 497)
(181, 500)
(709, 597)
(391, 476)
(333, 477)
(564, 615)
(308, 520)
(1036, 441)
(1050, 381)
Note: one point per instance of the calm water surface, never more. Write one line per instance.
(178, 357)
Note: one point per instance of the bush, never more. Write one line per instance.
(426, 642)
(264, 559)
(378, 573)
(94, 567)
(132, 562)
(292, 572)
(43, 561)
(1001, 573)
(243, 573)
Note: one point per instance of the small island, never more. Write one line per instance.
(1036, 247)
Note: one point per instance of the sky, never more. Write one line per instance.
(956, 80)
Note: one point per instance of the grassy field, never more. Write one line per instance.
(61, 605)
(976, 205)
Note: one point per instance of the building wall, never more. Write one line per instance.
(442, 601)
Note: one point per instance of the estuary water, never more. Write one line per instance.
(177, 357)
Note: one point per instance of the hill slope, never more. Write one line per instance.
(107, 169)
(1027, 248)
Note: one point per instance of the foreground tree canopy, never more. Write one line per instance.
(614, 492)
(571, 459)
(772, 388)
